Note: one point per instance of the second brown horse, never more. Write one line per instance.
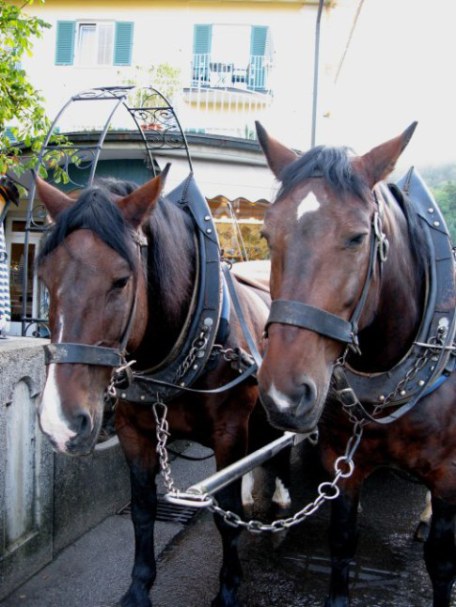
(355, 269)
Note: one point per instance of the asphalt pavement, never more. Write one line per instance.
(289, 569)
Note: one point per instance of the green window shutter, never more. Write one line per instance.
(64, 50)
(258, 38)
(123, 43)
(202, 39)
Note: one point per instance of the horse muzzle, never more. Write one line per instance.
(297, 409)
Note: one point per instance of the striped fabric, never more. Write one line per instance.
(5, 305)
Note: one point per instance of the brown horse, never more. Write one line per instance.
(361, 333)
(120, 265)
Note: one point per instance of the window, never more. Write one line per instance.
(16, 252)
(92, 43)
(232, 55)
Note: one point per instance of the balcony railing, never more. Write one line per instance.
(207, 73)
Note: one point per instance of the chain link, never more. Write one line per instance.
(196, 351)
(430, 349)
(327, 491)
(160, 411)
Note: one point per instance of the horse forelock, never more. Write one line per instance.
(93, 211)
(333, 164)
(170, 241)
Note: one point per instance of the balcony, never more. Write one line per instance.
(225, 98)
(253, 77)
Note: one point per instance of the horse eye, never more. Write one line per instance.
(120, 283)
(357, 240)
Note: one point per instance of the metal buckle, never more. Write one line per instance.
(382, 240)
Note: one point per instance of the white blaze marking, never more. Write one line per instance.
(309, 204)
(52, 419)
(281, 400)
(53, 422)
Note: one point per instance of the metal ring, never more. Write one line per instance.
(348, 462)
(323, 492)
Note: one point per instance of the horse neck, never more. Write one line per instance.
(395, 301)
(170, 280)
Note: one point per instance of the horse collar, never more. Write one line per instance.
(190, 355)
(432, 353)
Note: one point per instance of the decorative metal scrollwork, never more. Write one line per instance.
(154, 125)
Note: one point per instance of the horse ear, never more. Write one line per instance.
(277, 155)
(136, 206)
(381, 160)
(53, 199)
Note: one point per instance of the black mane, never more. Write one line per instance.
(93, 211)
(333, 164)
(169, 232)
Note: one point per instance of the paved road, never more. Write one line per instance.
(293, 570)
(288, 570)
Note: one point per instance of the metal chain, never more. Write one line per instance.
(401, 387)
(160, 411)
(430, 349)
(343, 468)
(196, 351)
(327, 491)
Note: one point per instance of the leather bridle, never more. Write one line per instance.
(304, 316)
(103, 356)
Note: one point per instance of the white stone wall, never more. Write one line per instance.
(47, 501)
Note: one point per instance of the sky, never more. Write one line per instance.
(399, 67)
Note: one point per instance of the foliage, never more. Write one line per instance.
(252, 244)
(23, 121)
(441, 180)
(445, 196)
(163, 77)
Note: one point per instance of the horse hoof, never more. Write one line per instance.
(136, 599)
(337, 602)
(221, 601)
(421, 532)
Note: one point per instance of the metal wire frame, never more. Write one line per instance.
(159, 128)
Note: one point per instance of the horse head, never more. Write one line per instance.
(91, 266)
(320, 234)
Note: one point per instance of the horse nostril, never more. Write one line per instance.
(308, 396)
(82, 424)
(309, 391)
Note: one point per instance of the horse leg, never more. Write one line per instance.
(440, 551)
(140, 455)
(231, 572)
(422, 530)
(229, 448)
(343, 539)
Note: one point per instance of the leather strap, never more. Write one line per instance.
(240, 316)
(315, 319)
(83, 354)
(352, 404)
(302, 315)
